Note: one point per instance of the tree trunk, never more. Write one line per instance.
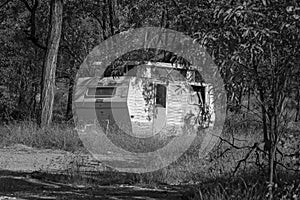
(267, 144)
(104, 16)
(249, 99)
(70, 98)
(298, 106)
(70, 93)
(21, 89)
(272, 152)
(49, 67)
(111, 17)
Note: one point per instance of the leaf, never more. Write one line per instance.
(246, 33)
(259, 48)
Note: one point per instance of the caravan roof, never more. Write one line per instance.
(158, 70)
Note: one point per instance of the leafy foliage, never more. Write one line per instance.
(255, 44)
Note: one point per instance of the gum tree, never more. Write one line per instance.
(256, 45)
(49, 68)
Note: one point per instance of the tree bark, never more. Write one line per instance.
(267, 142)
(104, 12)
(72, 78)
(298, 106)
(111, 17)
(70, 99)
(49, 67)
(249, 99)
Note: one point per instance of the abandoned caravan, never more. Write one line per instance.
(146, 99)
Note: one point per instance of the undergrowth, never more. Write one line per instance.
(56, 136)
(209, 176)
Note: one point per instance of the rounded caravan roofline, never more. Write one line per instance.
(160, 64)
(171, 65)
(190, 74)
(117, 99)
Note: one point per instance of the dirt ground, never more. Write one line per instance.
(27, 173)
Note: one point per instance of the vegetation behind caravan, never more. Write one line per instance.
(255, 44)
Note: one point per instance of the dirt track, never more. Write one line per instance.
(27, 173)
(27, 159)
(22, 186)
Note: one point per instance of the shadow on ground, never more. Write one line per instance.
(18, 186)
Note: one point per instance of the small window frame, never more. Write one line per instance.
(161, 101)
(87, 95)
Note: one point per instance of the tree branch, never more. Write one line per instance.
(244, 160)
(27, 5)
(4, 4)
(32, 36)
(287, 168)
(36, 42)
(97, 19)
(71, 53)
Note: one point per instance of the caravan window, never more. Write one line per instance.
(100, 92)
(199, 94)
(161, 93)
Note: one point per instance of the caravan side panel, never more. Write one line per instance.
(141, 126)
(176, 104)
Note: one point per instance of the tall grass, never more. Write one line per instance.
(56, 136)
(250, 186)
(211, 176)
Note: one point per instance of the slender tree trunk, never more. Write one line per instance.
(21, 89)
(267, 144)
(239, 106)
(111, 17)
(249, 99)
(33, 101)
(70, 93)
(272, 152)
(104, 16)
(298, 106)
(49, 67)
(70, 99)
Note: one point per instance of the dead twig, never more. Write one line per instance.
(244, 160)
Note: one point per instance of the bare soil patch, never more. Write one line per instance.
(29, 173)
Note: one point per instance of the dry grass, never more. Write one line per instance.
(57, 136)
(250, 186)
(211, 176)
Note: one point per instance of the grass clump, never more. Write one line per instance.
(56, 136)
(250, 186)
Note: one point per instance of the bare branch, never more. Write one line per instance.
(237, 147)
(287, 168)
(36, 42)
(223, 153)
(71, 52)
(97, 19)
(32, 37)
(4, 4)
(27, 5)
(252, 111)
(244, 160)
